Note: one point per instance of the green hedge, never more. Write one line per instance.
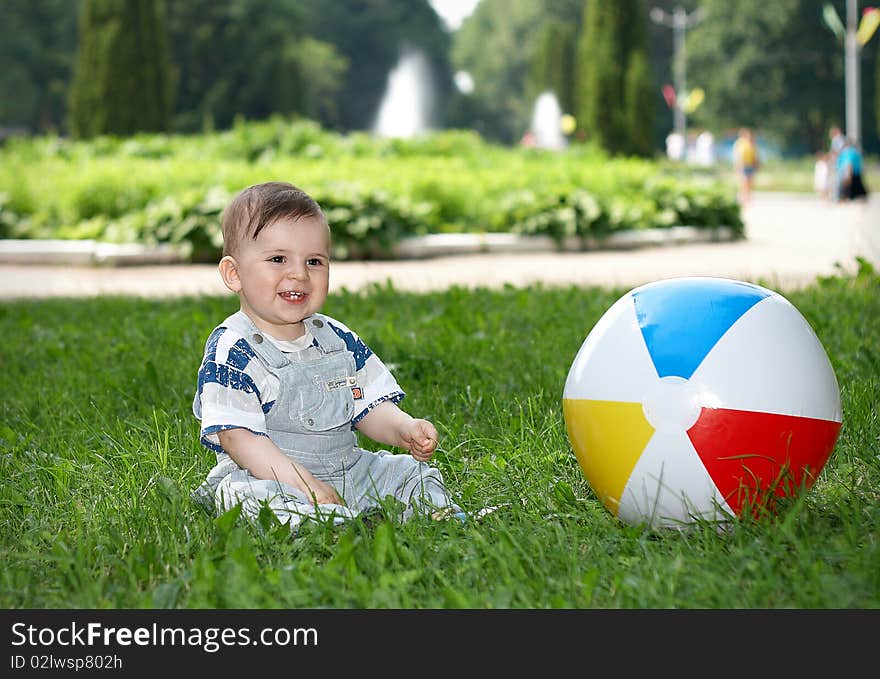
(172, 189)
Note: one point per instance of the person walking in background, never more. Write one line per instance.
(849, 172)
(705, 149)
(836, 141)
(821, 175)
(745, 163)
(675, 146)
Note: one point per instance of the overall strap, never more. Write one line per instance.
(265, 349)
(328, 341)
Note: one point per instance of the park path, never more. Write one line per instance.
(791, 239)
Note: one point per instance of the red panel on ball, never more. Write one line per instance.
(754, 456)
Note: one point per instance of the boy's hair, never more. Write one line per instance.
(258, 206)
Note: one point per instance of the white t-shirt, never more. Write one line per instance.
(236, 390)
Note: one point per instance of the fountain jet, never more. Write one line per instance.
(405, 110)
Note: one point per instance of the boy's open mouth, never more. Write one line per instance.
(293, 296)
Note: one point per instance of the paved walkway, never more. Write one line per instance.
(791, 239)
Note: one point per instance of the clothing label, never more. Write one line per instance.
(341, 382)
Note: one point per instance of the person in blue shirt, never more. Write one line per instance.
(849, 172)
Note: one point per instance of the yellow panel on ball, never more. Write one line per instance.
(608, 438)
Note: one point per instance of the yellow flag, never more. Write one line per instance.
(693, 100)
(869, 23)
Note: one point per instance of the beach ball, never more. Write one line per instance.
(700, 399)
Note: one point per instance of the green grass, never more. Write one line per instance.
(99, 451)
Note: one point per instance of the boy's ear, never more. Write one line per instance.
(229, 273)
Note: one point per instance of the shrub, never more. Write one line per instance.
(172, 188)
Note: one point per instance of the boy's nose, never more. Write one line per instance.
(297, 272)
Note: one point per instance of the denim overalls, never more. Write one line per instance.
(310, 422)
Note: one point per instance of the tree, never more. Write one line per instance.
(323, 70)
(37, 42)
(250, 58)
(552, 64)
(598, 75)
(613, 92)
(638, 104)
(122, 75)
(639, 107)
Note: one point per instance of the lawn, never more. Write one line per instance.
(100, 451)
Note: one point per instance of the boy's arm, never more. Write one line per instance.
(388, 424)
(262, 458)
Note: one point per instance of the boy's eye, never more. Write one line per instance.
(315, 261)
(277, 259)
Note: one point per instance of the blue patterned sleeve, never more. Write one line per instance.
(234, 390)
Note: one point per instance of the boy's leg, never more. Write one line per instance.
(288, 504)
(417, 485)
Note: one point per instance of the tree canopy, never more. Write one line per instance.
(775, 66)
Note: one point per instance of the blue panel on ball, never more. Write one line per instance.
(682, 319)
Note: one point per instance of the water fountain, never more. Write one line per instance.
(405, 110)
(547, 122)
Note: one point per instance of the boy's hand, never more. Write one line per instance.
(386, 423)
(262, 458)
(323, 493)
(420, 438)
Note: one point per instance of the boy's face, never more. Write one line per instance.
(283, 276)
